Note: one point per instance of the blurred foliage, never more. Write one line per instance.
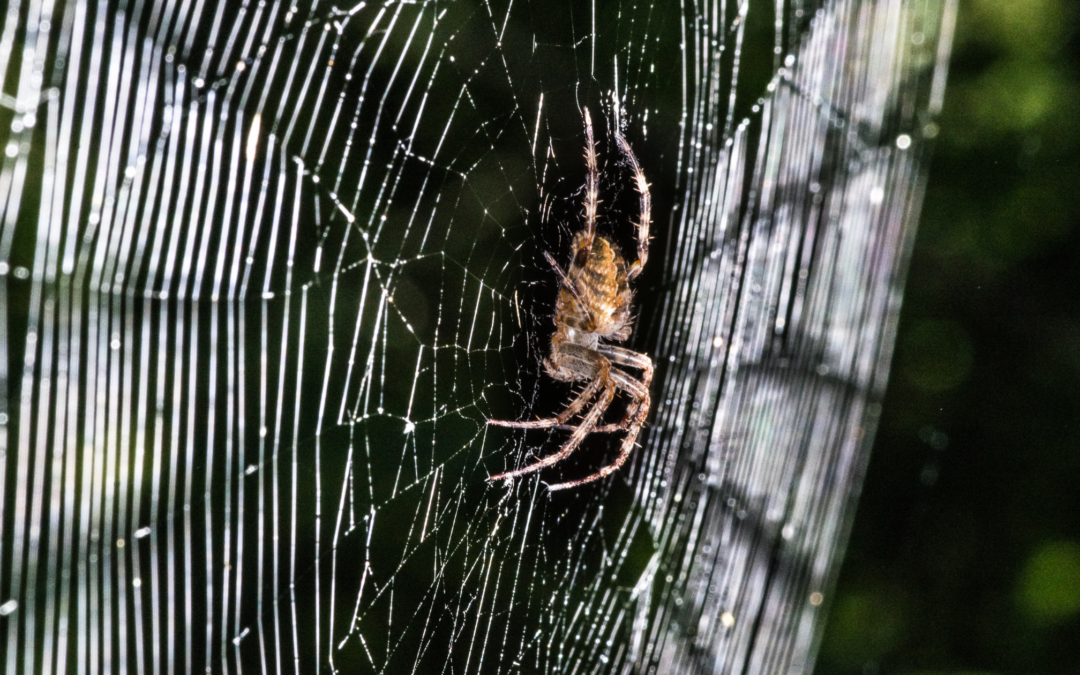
(965, 553)
(1050, 584)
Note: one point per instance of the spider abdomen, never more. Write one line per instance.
(600, 299)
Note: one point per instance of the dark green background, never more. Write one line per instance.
(965, 553)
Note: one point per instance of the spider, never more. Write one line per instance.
(593, 311)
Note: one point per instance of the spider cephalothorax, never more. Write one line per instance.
(592, 312)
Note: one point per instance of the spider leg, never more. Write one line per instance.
(628, 384)
(560, 420)
(586, 427)
(570, 286)
(645, 206)
(586, 361)
(627, 446)
(636, 411)
(601, 429)
(628, 357)
(638, 389)
(592, 181)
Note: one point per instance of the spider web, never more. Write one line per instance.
(266, 271)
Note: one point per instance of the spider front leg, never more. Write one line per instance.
(628, 357)
(632, 433)
(603, 377)
(639, 391)
(562, 418)
(570, 286)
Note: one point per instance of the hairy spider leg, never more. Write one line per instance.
(559, 420)
(601, 429)
(636, 413)
(623, 357)
(626, 383)
(587, 424)
(569, 285)
(645, 206)
(632, 433)
(592, 180)
(638, 389)
(628, 357)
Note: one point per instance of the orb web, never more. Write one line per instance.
(267, 272)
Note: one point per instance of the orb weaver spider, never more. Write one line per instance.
(592, 315)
